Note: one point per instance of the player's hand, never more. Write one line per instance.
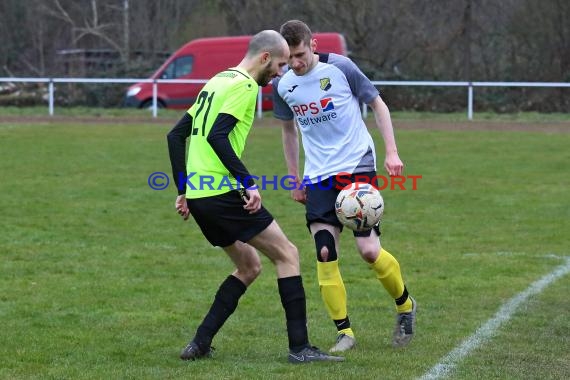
(182, 207)
(252, 200)
(299, 195)
(393, 164)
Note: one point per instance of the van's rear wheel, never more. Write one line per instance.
(148, 104)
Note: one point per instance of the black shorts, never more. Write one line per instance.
(223, 220)
(321, 198)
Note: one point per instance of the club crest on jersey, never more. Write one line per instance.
(325, 84)
(327, 104)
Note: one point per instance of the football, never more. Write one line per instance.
(359, 206)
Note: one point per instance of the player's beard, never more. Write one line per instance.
(265, 76)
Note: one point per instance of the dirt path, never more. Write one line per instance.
(550, 127)
(562, 127)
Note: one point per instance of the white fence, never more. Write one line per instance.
(155, 82)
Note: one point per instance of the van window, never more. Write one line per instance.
(179, 67)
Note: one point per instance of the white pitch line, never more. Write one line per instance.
(487, 331)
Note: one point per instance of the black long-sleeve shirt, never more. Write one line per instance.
(218, 138)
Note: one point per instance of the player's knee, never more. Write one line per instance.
(369, 253)
(288, 256)
(250, 271)
(324, 242)
(292, 251)
(256, 269)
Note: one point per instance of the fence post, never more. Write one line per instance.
(364, 110)
(259, 105)
(154, 98)
(470, 101)
(50, 99)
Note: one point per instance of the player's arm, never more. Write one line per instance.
(219, 140)
(365, 92)
(392, 162)
(177, 150)
(290, 137)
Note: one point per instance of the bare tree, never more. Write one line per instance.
(250, 16)
(482, 40)
(98, 20)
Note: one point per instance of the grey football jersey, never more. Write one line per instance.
(325, 104)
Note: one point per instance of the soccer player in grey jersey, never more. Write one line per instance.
(321, 94)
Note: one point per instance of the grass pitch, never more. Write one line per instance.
(99, 277)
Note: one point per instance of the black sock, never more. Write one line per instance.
(224, 305)
(342, 324)
(403, 298)
(293, 300)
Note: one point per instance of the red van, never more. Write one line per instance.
(202, 59)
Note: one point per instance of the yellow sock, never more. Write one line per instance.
(332, 289)
(388, 272)
(347, 331)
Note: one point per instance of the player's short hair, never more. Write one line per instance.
(295, 32)
(266, 41)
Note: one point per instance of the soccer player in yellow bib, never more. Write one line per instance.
(218, 191)
(321, 96)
